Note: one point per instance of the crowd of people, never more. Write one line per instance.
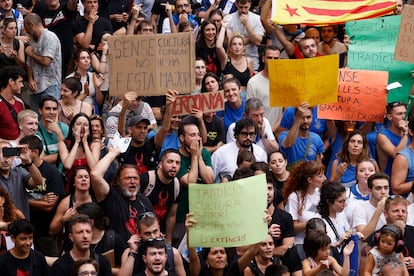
(339, 193)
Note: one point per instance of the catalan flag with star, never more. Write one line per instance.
(319, 12)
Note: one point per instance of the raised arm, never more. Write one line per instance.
(221, 52)
(99, 185)
(166, 119)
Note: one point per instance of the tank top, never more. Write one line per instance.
(243, 77)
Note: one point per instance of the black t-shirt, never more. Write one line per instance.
(284, 219)
(161, 197)
(58, 21)
(109, 241)
(118, 7)
(209, 55)
(53, 183)
(100, 26)
(232, 270)
(145, 157)
(123, 213)
(62, 267)
(34, 265)
(216, 132)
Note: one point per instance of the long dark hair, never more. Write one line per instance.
(329, 192)
(71, 137)
(201, 40)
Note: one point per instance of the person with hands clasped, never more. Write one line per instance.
(91, 82)
(317, 249)
(79, 150)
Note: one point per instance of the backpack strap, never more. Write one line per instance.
(176, 188)
(170, 258)
(151, 183)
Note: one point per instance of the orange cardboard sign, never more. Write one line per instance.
(361, 97)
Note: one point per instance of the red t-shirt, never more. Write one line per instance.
(9, 129)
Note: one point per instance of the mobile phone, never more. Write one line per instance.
(11, 152)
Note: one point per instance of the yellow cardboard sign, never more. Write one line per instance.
(228, 214)
(312, 80)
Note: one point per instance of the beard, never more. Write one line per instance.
(128, 194)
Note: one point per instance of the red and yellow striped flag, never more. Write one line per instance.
(318, 12)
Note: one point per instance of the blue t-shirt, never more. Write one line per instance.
(297, 151)
(231, 115)
(318, 125)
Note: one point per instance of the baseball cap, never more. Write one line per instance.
(137, 119)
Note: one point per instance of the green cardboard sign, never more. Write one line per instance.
(372, 47)
(228, 214)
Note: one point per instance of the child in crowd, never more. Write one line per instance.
(317, 249)
(389, 243)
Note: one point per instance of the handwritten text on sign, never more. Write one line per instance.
(228, 214)
(359, 97)
(372, 48)
(312, 80)
(404, 50)
(151, 64)
(206, 102)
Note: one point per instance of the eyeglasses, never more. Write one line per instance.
(391, 105)
(246, 134)
(147, 30)
(182, 6)
(154, 239)
(146, 214)
(87, 273)
(272, 57)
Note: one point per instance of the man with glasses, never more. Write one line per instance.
(224, 159)
(149, 230)
(299, 144)
(394, 138)
(258, 87)
(182, 13)
(254, 110)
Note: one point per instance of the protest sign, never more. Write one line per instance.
(316, 12)
(206, 102)
(404, 51)
(312, 80)
(372, 48)
(359, 98)
(228, 214)
(151, 64)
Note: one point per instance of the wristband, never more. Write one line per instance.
(132, 254)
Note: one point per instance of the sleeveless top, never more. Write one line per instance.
(243, 77)
(62, 117)
(5, 60)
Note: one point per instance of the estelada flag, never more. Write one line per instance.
(318, 12)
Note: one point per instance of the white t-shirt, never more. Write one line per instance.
(363, 213)
(310, 210)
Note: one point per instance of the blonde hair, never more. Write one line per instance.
(26, 113)
(236, 35)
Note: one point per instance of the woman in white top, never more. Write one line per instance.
(301, 193)
(91, 82)
(331, 206)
